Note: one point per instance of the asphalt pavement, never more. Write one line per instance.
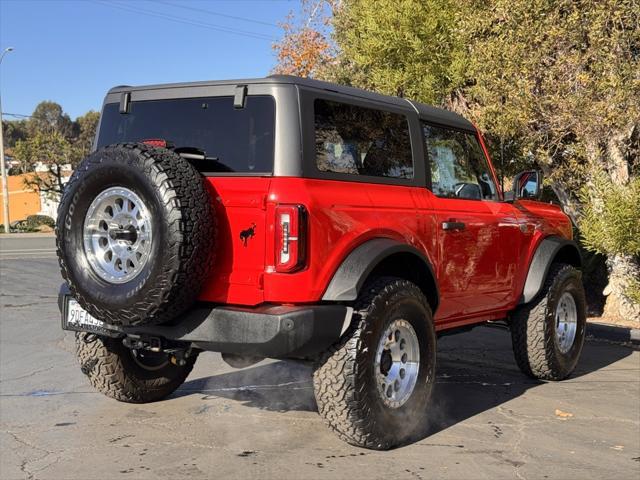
(17, 246)
(488, 420)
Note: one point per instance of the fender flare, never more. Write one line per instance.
(546, 253)
(358, 265)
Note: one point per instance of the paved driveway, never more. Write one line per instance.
(488, 420)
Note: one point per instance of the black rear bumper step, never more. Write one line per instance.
(273, 331)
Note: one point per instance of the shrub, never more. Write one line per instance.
(35, 221)
(611, 221)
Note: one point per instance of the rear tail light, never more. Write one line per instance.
(291, 237)
(156, 142)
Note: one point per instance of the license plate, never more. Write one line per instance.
(78, 319)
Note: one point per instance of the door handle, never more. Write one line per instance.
(453, 225)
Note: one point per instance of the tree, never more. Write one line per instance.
(53, 145)
(557, 83)
(85, 131)
(14, 130)
(52, 153)
(48, 117)
(611, 226)
(563, 77)
(407, 48)
(305, 47)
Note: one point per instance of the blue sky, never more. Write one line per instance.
(72, 52)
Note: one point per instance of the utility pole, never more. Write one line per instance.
(3, 166)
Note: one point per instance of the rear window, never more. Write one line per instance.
(361, 141)
(233, 140)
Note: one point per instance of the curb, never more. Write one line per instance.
(613, 333)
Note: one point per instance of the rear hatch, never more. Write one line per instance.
(233, 147)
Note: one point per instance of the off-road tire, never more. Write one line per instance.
(182, 248)
(112, 370)
(533, 327)
(344, 381)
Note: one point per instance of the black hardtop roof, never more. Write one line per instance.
(426, 112)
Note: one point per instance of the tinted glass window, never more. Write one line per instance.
(458, 166)
(233, 140)
(361, 141)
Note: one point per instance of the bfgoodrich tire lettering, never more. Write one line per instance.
(345, 379)
(533, 327)
(183, 226)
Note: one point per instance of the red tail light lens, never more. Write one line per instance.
(291, 237)
(156, 142)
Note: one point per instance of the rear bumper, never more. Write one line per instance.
(273, 331)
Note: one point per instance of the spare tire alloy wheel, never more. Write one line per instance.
(136, 234)
(117, 235)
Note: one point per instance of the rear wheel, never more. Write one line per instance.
(374, 386)
(548, 333)
(133, 376)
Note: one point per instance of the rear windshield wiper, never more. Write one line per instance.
(201, 161)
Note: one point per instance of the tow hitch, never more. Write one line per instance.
(177, 352)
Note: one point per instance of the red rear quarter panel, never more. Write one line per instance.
(342, 215)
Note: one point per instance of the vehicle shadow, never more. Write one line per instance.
(476, 373)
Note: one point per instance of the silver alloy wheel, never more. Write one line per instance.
(117, 235)
(397, 362)
(566, 316)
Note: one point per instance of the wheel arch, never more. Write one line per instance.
(382, 256)
(550, 250)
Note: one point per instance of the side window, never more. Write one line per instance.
(458, 166)
(361, 141)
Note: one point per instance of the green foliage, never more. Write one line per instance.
(35, 221)
(611, 221)
(49, 117)
(407, 48)
(14, 131)
(633, 290)
(562, 79)
(84, 131)
(50, 141)
(50, 151)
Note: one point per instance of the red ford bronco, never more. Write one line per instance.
(296, 219)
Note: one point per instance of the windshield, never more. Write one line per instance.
(233, 140)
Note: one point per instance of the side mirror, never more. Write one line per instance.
(527, 185)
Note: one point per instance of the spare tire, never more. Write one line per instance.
(135, 234)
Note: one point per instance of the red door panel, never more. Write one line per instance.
(477, 257)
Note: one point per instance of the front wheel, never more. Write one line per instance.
(128, 375)
(373, 387)
(548, 333)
